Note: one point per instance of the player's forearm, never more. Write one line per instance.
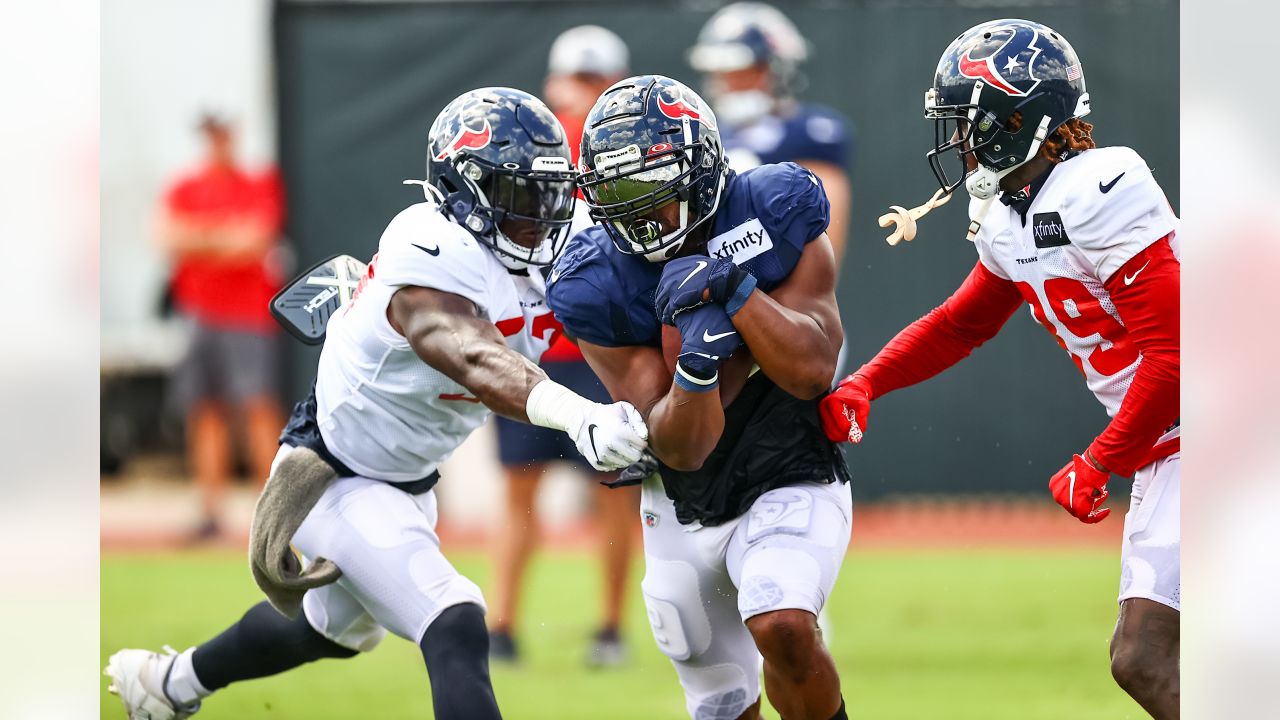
(1150, 406)
(499, 377)
(791, 347)
(684, 427)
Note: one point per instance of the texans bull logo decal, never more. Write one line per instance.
(467, 139)
(680, 108)
(1008, 69)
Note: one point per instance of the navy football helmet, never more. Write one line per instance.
(650, 142)
(501, 164)
(739, 36)
(988, 74)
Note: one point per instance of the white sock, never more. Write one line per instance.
(182, 686)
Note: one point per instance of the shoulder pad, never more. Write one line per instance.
(602, 296)
(423, 248)
(790, 202)
(1112, 207)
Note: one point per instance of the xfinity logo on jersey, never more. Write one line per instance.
(1048, 230)
(741, 243)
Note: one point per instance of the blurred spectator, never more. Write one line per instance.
(221, 225)
(584, 62)
(749, 54)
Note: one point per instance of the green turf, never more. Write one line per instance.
(920, 634)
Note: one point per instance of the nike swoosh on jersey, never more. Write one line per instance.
(429, 251)
(712, 338)
(1128, 279)
(701, 264)
(1071, 491)
(1107, 188)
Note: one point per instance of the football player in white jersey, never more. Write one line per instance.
(446, 325)
(1085, 237)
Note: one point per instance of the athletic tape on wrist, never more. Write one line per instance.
(688, 382)
(552, 405)
(739, 297)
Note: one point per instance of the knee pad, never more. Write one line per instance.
(718, 692)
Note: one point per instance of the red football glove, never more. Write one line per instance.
(844, 411)
(1081, 488)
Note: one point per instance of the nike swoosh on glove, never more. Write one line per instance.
(1081, 488)
(844, 412)
(708, 338)
(688, 282)
(611, 437)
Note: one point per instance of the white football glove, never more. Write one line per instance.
(610, 437)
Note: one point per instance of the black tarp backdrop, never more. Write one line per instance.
(360, 82)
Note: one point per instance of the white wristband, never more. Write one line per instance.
(552, 405)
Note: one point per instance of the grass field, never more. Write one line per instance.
(916, 634)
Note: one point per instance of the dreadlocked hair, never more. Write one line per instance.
(1071, 137)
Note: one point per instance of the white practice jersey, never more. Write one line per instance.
(384, 412)
(1093, 214)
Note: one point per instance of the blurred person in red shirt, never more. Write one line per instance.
(221, 225)
(584, 62)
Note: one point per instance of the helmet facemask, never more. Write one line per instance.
(523, 214)
(629, 189)
(982, 143)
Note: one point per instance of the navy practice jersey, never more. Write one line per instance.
(805, 132)
(771, 439)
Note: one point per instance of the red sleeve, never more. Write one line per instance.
(177, 199)
(271, 189)
(1145, 293)
(944, 337)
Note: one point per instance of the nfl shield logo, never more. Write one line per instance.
(649, 518)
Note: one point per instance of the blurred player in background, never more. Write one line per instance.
(747, 525)
(221, 225)
(585, 60)
(446, 326)
(750, 54)
(1085, 236)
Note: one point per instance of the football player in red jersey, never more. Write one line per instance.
(1086, 238)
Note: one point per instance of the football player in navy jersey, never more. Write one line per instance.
(747, 520)
(749, 54)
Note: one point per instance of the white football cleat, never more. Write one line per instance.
(138, 677)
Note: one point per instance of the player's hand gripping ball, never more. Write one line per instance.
(708, 338)
(695, 280)
(1081, 488)
(844, 412)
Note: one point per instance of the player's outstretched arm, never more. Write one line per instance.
(684, 426)
(449, 334)
(794, 332)
(946, 335)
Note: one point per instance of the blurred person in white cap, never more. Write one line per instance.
(749, 54)
(584, 61)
